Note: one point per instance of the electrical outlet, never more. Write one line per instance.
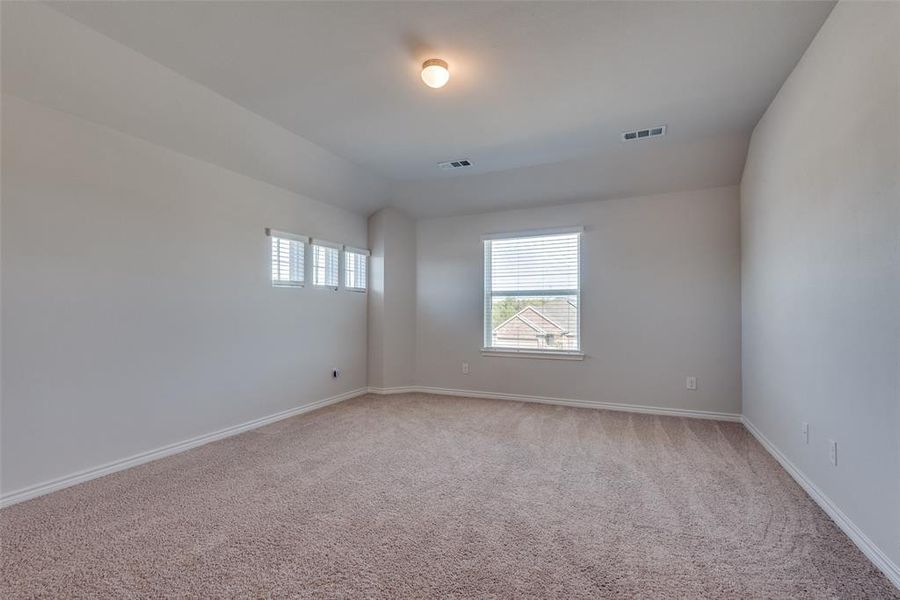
(832, 452)
(335, 373)
(804, 431)
(465, 368)
(690, 383)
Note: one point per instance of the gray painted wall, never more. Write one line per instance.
(375, 310)
(660, 301)
(821, 267)
(137, 306)
(392, 302)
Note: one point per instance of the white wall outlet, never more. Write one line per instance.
(832, 452)
(690, 383)
(465, 367)
(804, 431)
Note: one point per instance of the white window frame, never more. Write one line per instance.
(366, 254)
(312, 265)
(284, 235)
(486, 348)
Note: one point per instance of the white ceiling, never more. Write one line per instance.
(635, 170)
(54, 61)
(532, 83)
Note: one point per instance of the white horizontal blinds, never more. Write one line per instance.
(520, 265)
(532, 291)
(287, 262)
(355, 264)
(325, 264)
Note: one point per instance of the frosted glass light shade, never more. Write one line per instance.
(435, 73)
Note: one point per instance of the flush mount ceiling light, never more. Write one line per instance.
(435, 73)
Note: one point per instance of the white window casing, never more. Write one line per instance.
(532, 293)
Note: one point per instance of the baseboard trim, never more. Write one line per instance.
(387, 391)
(633, 408)
(862, 541)
(59, 483)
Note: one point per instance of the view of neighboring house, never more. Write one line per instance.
(549, 325)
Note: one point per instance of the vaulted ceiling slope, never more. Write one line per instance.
(543, 85)
(52, 60)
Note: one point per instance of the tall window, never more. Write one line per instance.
(355, 269)
(325, 257)
(532, 289)
(288, 252)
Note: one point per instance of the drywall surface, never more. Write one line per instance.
(375, 308)
(137, 305)
(392, 302)
(55, 61)
(659, 166)
(660, 301)
(821, 267)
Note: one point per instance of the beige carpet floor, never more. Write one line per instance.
(426, 496)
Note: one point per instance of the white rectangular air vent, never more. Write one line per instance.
(455, 164)
(640, 134)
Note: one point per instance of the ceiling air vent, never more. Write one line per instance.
(640, 134)
(455, 164)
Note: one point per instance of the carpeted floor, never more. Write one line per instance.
(426, 496)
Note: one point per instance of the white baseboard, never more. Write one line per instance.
(387, 391)
(862, 541)
(635, 408)
(144, 457)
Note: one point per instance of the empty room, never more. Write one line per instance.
(449, 299)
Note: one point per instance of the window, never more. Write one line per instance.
(325, 259)
(355, 269)
(288, 252)
(532, 292)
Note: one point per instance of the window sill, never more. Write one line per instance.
(507, 353)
